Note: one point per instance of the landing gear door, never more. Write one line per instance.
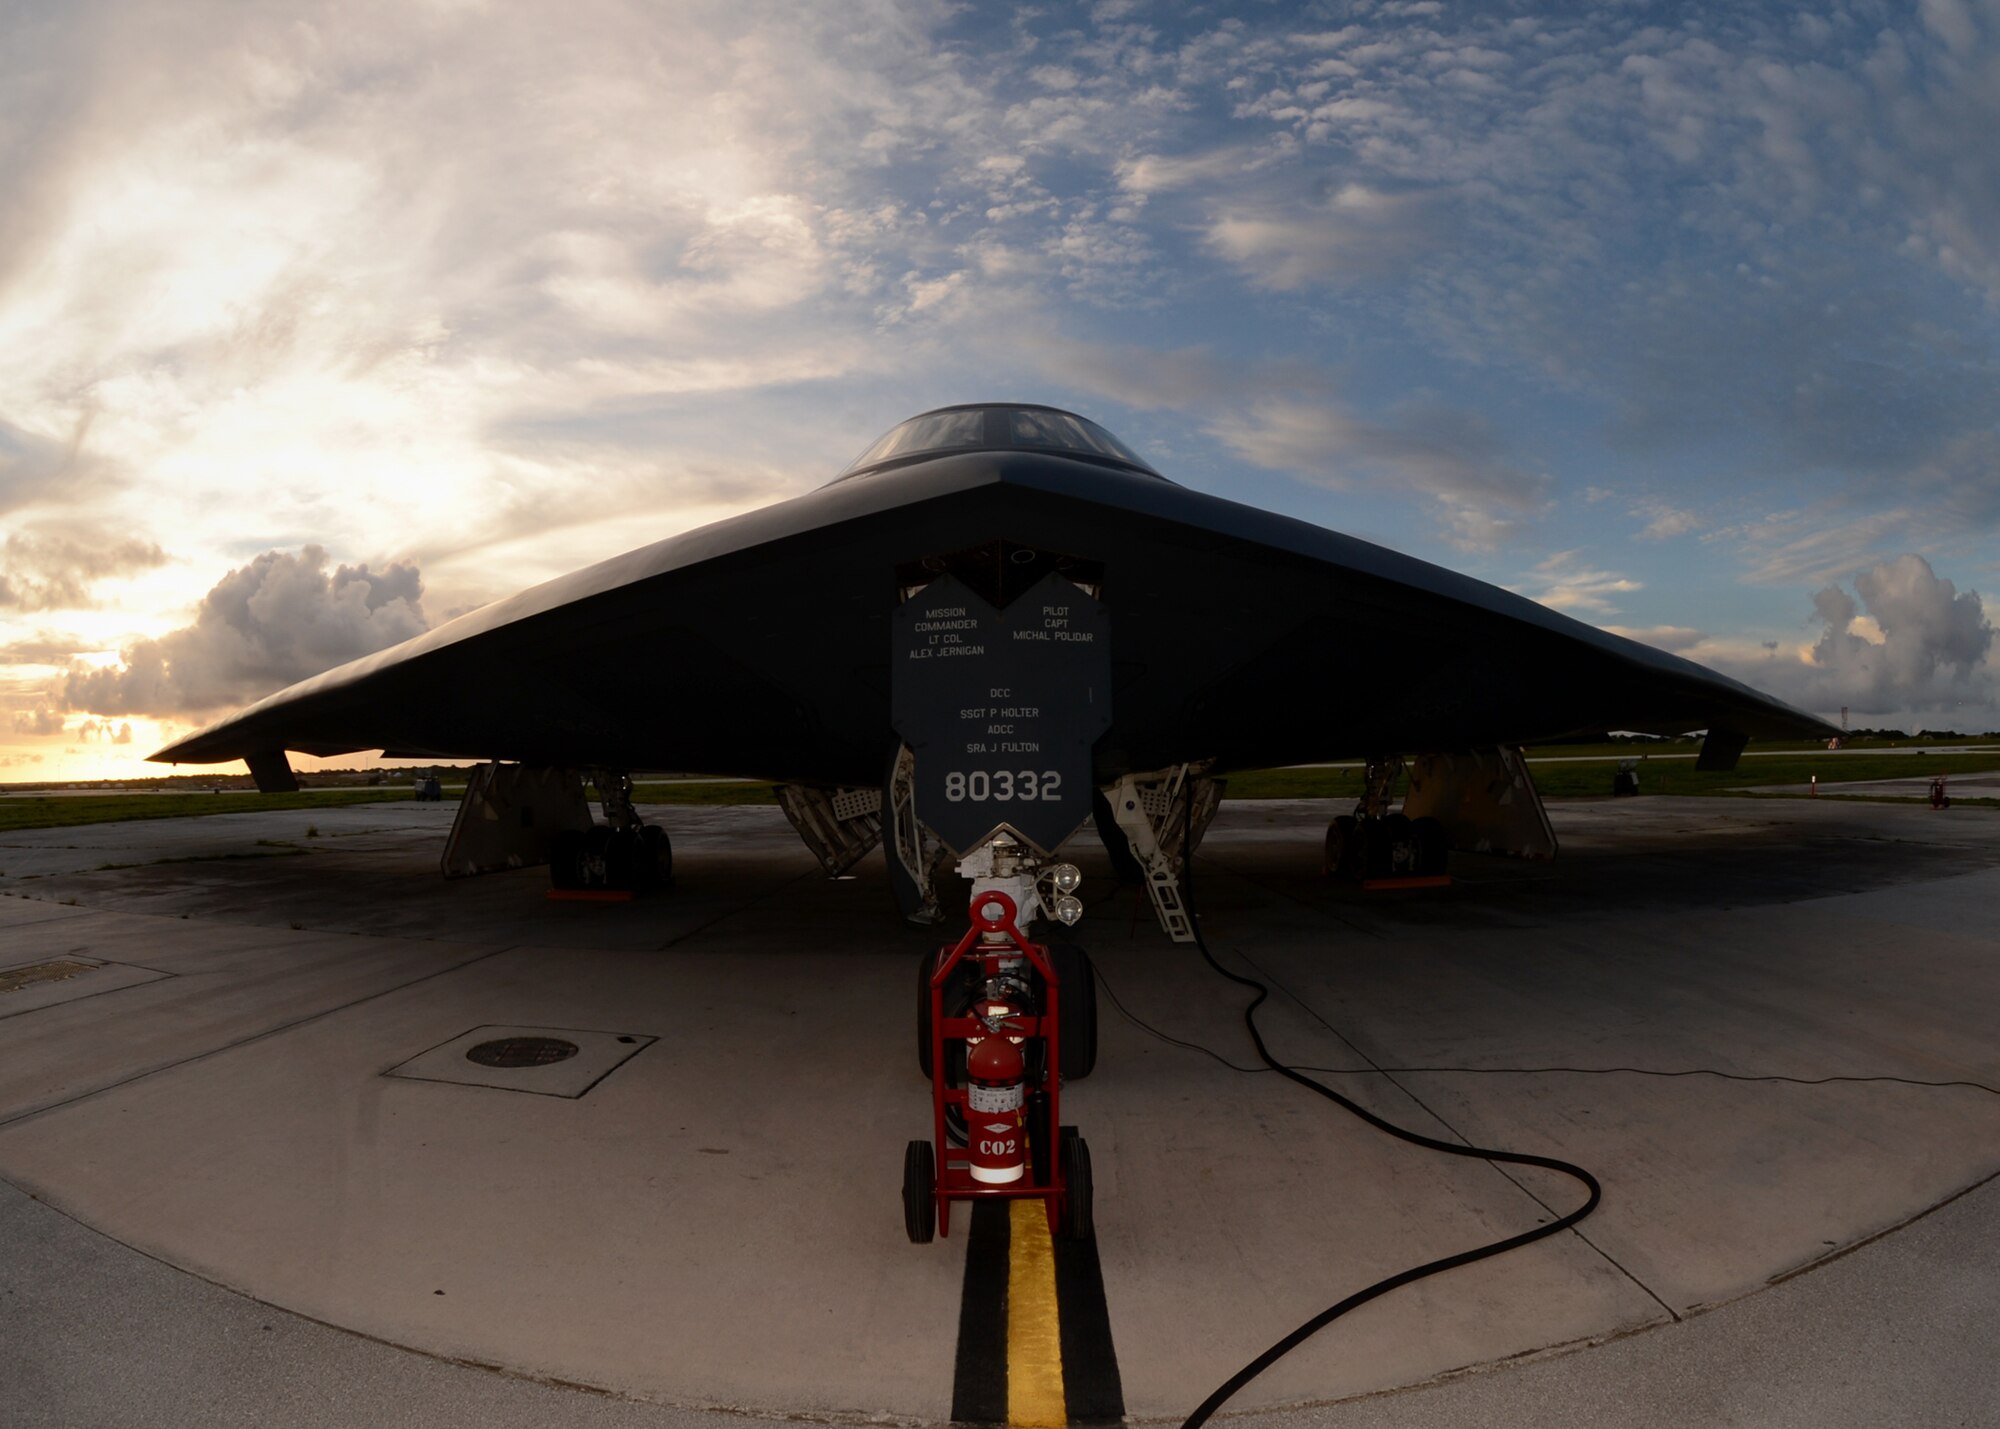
(1001, 708)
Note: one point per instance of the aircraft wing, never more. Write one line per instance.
(760, 645)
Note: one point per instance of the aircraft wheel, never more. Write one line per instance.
(1077, 1212)
(1078, 1016)
(565, 853)
(919, 1182)
(1400, 852)
(1343, 847)
(662, 854)
(1373, 861)
(1433, 845)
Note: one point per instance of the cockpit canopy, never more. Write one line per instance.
(994, 426)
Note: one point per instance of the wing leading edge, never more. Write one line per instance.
(759, 645)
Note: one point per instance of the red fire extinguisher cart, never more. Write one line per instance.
(1015, 1145)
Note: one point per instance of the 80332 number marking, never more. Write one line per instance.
(1004, 785)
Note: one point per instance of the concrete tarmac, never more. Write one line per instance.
(1766, 1026)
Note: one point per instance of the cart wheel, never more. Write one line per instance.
(1076, 1179)
(1078, 1028)
(919, 1186)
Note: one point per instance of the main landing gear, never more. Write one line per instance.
(1363, 848)
(1371, 844)
(1010, 1142)
(618, 858)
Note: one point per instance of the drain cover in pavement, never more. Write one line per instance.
(29, 987)
(522, 1052)
(61, 970)
(548, 1061)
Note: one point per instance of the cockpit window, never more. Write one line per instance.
(1045, 427)
(996, 428)
(932, 432)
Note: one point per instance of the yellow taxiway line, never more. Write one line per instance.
(1035, 1398)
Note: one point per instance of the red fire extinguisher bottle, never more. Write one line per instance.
(994, 1074)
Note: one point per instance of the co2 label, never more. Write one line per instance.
(1003, 785)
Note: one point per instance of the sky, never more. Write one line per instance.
(323, 323)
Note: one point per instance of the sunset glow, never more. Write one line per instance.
(320, 325)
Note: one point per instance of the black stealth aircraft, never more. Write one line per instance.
(776, 644)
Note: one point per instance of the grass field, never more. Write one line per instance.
(50, 811)
(61, 811)
(1581, 771)
(1563, 773)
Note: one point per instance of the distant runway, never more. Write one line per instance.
(252, 1177)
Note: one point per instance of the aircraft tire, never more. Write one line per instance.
(1343, 847)
(1433, 846)
(1372, 858)
(1078, 1025)
(1401, 853)
(661, 861)
(919, 1181)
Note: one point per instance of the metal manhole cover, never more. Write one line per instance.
(60, 970)
(522, 1052)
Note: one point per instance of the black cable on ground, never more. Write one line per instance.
(1381, 1287)
(1104, 985)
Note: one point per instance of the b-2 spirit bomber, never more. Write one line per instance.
(997, 622)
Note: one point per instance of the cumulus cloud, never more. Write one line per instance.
(1921, 641)
(56, 572)
(279, 619)
(1904, 643)
(40, 720)
(105, 731)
